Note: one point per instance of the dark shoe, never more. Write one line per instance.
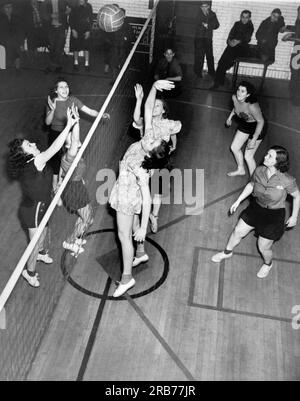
(87, 68)
(75, 67)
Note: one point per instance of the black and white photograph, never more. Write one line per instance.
(150, 193)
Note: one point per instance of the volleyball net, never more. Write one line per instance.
(25, 312)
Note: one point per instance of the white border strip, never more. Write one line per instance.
(22, 262)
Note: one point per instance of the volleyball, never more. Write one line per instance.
(110, 18)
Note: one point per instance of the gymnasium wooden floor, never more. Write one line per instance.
(187, 318)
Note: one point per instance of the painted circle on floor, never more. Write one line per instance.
(151, 287)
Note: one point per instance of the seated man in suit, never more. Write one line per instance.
(169, 68)
(267, 35)
(237, 46)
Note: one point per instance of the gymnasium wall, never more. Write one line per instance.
(229, 11)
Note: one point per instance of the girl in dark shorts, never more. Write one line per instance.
(56, 116)
(30, 166)
(251, 128)
(75, 196)
(270, 185)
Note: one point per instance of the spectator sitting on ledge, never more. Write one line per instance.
(237, 46)
(169, 68)
(267, 35)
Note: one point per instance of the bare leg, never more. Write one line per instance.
(140, 249)
(265, 248)
(41, 241)
(236, 147)
(156, 204)
(125, 225)
(240, 231)
(31, 264)
(84, 221)
(157, 201)
(87, 57)
(75, 58)
(249, 157)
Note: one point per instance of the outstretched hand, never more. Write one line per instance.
(139, 93)
(163, 84)
(52, 103)
(73, 115)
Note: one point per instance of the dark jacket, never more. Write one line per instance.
(47, 11)
(124, 36)
(210, 19)
(27, 17)
(165, 69)
(11, 29)
(267, 33)
(242, 32)
(81, 18)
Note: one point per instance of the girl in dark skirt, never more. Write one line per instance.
(75, 196)
(81, 20)
(251, 128)
(270, 185)
(30, 165)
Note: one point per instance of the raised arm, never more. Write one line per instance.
(150, 102)
(139, 94)
(75, 140)
(42, 158)
(50, 111)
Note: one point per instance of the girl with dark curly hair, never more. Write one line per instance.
(130, 195)
(27, 163)
(251, 127)
(269, 185)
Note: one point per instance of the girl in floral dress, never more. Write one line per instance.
(130, 195)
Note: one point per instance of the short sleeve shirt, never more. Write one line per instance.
(161, 129)
(60, 115)
(271, 192)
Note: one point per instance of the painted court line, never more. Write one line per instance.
(186, 216)
(219, 307)
(164, 344)
(93, 334)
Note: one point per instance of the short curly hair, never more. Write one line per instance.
(53, 90)
(159, 157)
(282, 158)
(252, 98)
(17, 158)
